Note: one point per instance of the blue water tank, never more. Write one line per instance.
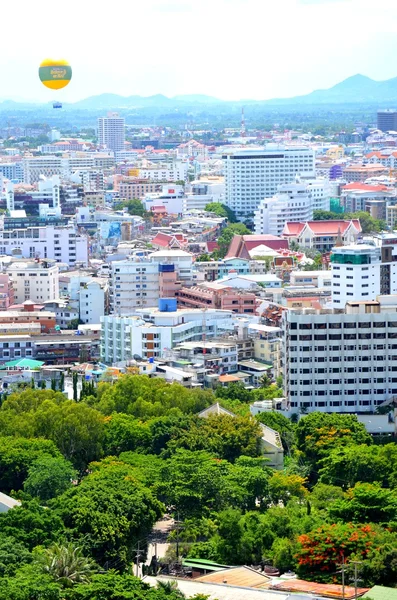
(151, 360)
(167, 304)
(166, 268)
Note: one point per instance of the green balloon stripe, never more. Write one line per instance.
(61, 73)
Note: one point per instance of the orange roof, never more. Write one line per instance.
(321, 227)
(228, 378)
(328, 590)
(364, 187)
(238, 576)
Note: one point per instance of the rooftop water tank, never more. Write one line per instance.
(167, 304)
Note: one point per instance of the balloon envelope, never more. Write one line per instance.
(55, 74)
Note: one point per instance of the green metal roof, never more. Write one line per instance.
(207, 565)
(378, 592)
(23, 363)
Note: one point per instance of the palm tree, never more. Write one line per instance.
(67, 564)
(171, 587)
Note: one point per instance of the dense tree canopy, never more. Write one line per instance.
(94, 475)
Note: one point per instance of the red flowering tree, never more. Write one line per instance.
(321, 551)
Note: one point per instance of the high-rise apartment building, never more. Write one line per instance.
(340, 361)
(387, 119)
(111, 132)
(254, 174)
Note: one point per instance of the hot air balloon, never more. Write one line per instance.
(55, 75)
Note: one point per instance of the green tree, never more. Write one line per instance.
(228, 234)
(283, 487)
(112, 510)
(124, 433)
(67, 565)
(13, 555)
(75, 379)
(194, 483)
(234, 391)
(222, 211)
(143, 397)
(349, 465)
(223, 435)
(49, 476)
(16, 457)
(115, 586)
(134, 207)
(318, 433)
(366, 503)
(323, 495)
(77, 429)
(32, 525)
(283, 554)
(29, 583)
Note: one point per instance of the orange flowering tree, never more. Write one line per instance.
(321, 551)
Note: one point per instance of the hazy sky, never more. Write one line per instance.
(230, 49)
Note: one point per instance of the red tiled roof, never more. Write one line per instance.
(364, 187)
(321, 227)
(241, 245)
(211, 246)
(162, 239)
(377, 154)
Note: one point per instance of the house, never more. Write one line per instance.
(242, 245)
(164, 241)
(322, 235)
(6, 503)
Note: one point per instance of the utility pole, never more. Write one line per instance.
(138, 556)
(177, 537)
(343, 576)
(355, 563)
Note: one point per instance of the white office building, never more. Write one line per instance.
(202, 192)
(111, 132)
(293, 202)
(340, 361)
(254, 174)
(63, 243)
(171, 197)
(171, 171)
(355, 273)
(320, 191)
(153, 331)
(36, 280)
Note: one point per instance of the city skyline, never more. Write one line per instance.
(181, 47)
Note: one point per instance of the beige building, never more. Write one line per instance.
(134, 190)
(267, 345)
(36, 280)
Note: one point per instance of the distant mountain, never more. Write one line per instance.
(112, 101)
(355, 89)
